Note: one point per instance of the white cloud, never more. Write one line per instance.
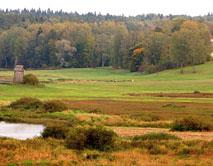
(118, 7)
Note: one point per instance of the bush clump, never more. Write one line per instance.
(54, 106)
(196, 92)
(30, 79)
(191, 123)
(57, 130)
(26, 103)
(35, 104)
(97, 137)
(76, 138)
(156, 136)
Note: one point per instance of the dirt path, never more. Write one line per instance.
(133, 131)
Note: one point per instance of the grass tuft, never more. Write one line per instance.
(156, 136)
(192, 123)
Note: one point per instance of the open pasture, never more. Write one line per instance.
(134, 94)
(84, 84)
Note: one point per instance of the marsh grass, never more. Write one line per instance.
(51, 151)
(192, 123)
(156, 136)
(22, 111)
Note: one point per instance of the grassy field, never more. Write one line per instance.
(203, 72)
(98, 83)
(94, 89)
(134, 105)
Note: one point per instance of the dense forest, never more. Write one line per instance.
(146, 43)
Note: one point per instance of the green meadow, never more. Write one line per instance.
(94, 90)
(84, 84)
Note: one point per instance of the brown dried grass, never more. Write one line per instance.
(4, 102)
(165, 110)
(133, 131)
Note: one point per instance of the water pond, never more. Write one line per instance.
(20, 131)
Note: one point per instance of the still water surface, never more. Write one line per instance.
(20, 131)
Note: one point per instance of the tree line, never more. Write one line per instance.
(183, 42)
(146, 43)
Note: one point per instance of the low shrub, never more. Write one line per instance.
(57, 130)
(156, 136)
(192, 123)
(145, 117)
(54, 106)
(196, 92)
(76, 138)
(173, 106)
(97, 137)
(30, 79)
(151, 69)
(34, 104)
(26, 103)
(96, 111)
(100, 138)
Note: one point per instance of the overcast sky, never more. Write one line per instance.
(117, 7)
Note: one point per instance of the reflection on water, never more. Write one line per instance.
(20, 131)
